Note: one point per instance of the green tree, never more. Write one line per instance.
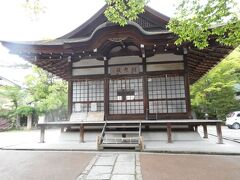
(122, 11)
(197, 20)
(48, 93)
(16, 99)
(12, 94)
(214, 93)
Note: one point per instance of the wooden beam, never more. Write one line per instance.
(219, 133)
(81, 133)
(169, 133)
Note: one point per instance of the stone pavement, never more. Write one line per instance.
(113, 166)
(45, 165)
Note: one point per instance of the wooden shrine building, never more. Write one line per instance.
(134, 72)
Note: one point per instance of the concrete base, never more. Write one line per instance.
(183, 142)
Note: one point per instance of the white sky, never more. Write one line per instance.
(61, 17)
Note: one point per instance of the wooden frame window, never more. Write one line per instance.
(126, 96)
(166, 94)
(88, 96)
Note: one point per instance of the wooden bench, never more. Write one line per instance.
(168, 123)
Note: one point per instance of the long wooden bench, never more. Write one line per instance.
(167, 123)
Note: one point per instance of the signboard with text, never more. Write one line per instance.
(121, 70)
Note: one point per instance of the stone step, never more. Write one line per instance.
(126, 140)
(121, 132)
(121, 127)
(119, 145)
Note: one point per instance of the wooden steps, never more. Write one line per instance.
(120, 136)
(121, 132)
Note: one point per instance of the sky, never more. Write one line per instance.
(60, 17)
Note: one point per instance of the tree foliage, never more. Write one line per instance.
(14, 95)
(197, 20)
(12, 99)
(214, 93)
(48, 93)
(122, 11)
(43, 94)
(34, 8)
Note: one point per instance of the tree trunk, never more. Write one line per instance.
(17, 122)
(29, 122)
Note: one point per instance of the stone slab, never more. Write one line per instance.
(123, 177)
(106, 161)
(100, 172)
(126, 158)
(124, 168)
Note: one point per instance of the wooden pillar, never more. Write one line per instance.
(169, 133)
(106, 90)
(81, 133)
(42, 134)
(70, 98)
(219, 133)
(145, 90)
(186, 83)
(29, 122)
(70, 89)
(205, 132)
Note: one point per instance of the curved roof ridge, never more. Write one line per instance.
(85, 24)
(101, 11)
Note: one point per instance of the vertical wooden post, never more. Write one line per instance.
(106, 97)
(169, 133)
(70, 94)
(205, 132)
(42, 134)
(106, 91)
(219, 133)
(145, 90)
(186, 83)
(81, 133)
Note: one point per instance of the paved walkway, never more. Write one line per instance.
(45, 165)
(113, 166)
(32, 165)
(189, 167)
